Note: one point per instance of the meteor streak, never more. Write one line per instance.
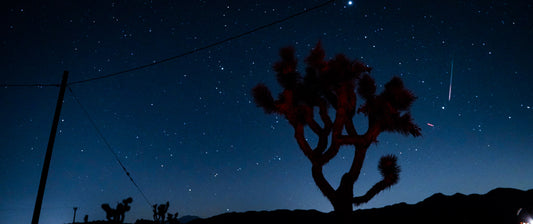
(451, 79)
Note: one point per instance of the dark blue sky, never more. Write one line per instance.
(188, 130)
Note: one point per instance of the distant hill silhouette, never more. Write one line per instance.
(500, 205)
(187, 218)
(182, 220)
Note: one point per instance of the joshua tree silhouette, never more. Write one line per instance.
(117, 215)
(173, 218)
(334, 84)
(160, 212)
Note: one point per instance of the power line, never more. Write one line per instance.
(306, 10)
(108, 145)
(30, 85)
(207, 46)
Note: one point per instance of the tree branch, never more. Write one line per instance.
(330, 153)
(378, 187)
(323, 137)
(323, 111)
(304, 145)
(361, 144)
(322, 183)
(390, 172)
(350, 128)
(315, 127)
(357, 163)
(338, 124)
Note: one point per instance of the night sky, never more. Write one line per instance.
(188, 131)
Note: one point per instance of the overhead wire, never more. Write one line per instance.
(30, 85)
(108, 145)
(306, 10)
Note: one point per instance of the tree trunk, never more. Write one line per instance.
(342, 215)
(341, 199)
(343, 207)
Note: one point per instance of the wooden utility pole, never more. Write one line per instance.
(48, 156)
(74, 220)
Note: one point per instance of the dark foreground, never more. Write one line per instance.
(499, 206)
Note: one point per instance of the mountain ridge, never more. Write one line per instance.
(499, 205)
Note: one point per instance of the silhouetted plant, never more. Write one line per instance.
(160, 212)
(86, 219)
(173, 219)
(335, 84)
(117, 215)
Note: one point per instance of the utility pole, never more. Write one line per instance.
(74, 220)
(48, 156)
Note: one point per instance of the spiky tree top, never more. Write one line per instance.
(118, 214)
(335, 84)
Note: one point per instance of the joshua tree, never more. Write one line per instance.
(117, 215)
(173, 218)
(335, 84)
(160, 212)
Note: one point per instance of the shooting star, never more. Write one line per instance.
(451, 79)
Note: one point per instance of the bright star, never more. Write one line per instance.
(350, 2)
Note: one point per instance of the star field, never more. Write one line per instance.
(188, 131)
